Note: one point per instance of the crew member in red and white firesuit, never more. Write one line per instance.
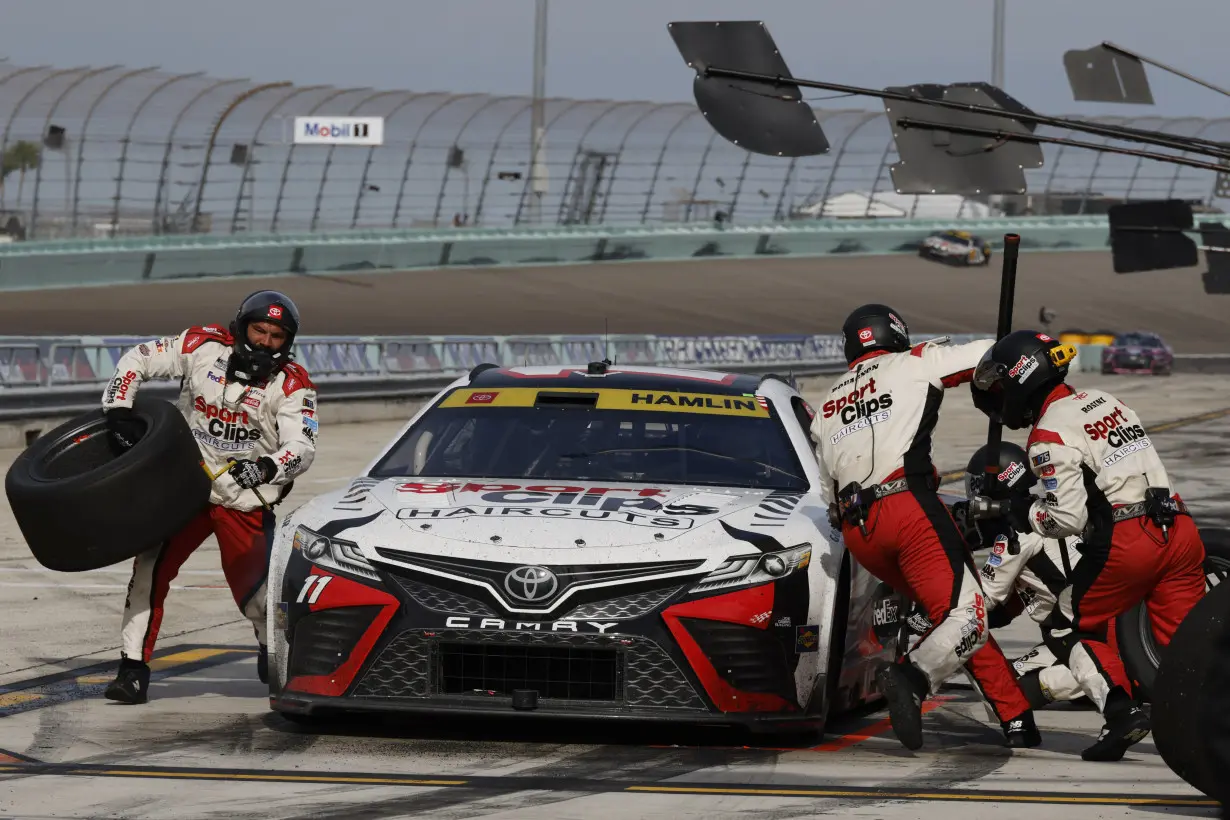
(248, 404)
(1027, 577)
(1104, 482)
(873, 433)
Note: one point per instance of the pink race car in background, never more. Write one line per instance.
(1138, 352)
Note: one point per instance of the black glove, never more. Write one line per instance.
(123, 425)
(249, 474)
(1000, 617)
(1017, 513)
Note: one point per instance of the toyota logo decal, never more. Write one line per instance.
(531, 583)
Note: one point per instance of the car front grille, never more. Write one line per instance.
(623, 608)
(425, 663)
(555, 672)
(443, 600)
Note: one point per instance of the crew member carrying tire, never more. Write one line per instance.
(874, 438)
(1028, 579)
(1105, 483)
(249, 406)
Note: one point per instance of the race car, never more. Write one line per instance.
(595, 542)
(956, 247)
(1138, 352)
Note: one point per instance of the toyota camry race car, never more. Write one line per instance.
(1138, 353)
(956, 247)
(596, 542)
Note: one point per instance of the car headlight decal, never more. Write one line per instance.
(333, 553)
(753, 570)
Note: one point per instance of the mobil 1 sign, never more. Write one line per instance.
(339, 130)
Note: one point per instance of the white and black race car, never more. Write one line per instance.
(956, 248)
(597, 542)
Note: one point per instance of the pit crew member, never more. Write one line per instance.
(1027, 576)
(248, 404)
(1104, 482)
(873, 433)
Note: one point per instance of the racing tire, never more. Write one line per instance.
(1137, 646)
(1179, 712)
(82, 504)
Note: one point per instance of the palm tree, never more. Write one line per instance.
(21, 157)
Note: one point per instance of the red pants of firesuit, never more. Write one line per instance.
(1138, 565)
(914, 546)
(244, 539)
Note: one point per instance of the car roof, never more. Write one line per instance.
(621, 377)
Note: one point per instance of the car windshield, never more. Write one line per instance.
(623, 435)
(1137, 340)
(952, 237)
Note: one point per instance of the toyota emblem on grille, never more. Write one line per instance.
(531, 583)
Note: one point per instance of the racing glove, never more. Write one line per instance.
(1017, 511)
(125, 428)
(249, 474)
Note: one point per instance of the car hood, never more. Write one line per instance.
(496, 515)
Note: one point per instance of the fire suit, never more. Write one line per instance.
(230, 420)
(1038, 574)
(1096, 462)
(874, 430)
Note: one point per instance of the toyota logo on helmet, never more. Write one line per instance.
(275, 312)
(531, 584)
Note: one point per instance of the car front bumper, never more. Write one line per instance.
(401, 645)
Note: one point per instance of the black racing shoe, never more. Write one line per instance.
(262, 664)
(1121, 732)
(905, 687)
(131, 684)
(1021, 732)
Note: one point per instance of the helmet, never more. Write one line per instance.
(251, 362)
(1017, 374)
(871, 328)
(1014, 479)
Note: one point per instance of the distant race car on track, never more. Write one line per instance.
(956, 247)
(1138, 352)
(595, 542)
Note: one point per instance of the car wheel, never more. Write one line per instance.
(82, 505)
(1134, 634)
(1178, 714)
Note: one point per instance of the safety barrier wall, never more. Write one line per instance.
(46, 375)
(75, 263)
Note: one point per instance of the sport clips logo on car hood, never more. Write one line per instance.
(561, 513)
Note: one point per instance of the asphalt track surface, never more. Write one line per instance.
(709, 296)
(207, 746)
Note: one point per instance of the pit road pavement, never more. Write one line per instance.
(207, 746)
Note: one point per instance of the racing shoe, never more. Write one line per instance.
(1021, 732)
(131, 684)
(1124, 729)
(905, 687)
(262, 664)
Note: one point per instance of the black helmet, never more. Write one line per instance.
(1015, 478)
(251, 362)
(1017, 374)
(871, 328)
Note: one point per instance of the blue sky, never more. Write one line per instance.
(620, 49)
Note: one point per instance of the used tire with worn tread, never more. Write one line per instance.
(1139, 650)
(1179, 714)
(81, 504)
